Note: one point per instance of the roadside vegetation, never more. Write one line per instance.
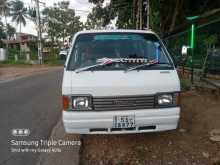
(185, 84)
(60, 23)
(191, 143)
(54, 21)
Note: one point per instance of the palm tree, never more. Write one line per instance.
(19, 15)
(31, 13)
(4, 11)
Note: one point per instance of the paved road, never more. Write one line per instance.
(32, 102)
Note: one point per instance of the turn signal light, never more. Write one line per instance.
(65, 100)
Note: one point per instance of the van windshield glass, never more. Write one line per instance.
(128, 49)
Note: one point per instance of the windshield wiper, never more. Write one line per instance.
(152, 62)
(105, 61)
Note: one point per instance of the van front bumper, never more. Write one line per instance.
(101, 122)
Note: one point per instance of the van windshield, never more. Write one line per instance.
(128, 49)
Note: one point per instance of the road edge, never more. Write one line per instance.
(56, 132)
(20, 76)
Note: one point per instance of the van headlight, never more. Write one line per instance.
(81, 103)
(168, 99)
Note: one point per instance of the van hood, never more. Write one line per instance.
(115, 83)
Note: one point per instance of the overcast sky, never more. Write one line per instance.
(78, 5)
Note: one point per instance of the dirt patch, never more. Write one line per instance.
(69, 155)
(189, 144)
(11, 72)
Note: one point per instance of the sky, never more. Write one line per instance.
(79, 5)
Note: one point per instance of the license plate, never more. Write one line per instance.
(124, 121)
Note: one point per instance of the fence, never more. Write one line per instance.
(206, 51)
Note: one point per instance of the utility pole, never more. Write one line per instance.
(134, 13)
(141, 16)
(138, 14)
(39, 33)
(147, 9)
(148, 14)
(7, 37)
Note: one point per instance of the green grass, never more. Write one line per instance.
(55, 62)
(13, 62)
(51, 62)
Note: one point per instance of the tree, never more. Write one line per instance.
(174, 13)
(123, 10)
(95, 19)
(10, 31)
(4, 10)
(155, 17)
(32, 15)
(2, 34)
(6, 32)
(165, 15)
(19, 14)
(61, 21)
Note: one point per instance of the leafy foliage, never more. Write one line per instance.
(2, 34)
(96, 19)
(10, 31)
(4, 7)
(2, 31)
(32, 15)
(61, 21)
(18, 12)
(101, 16)
(165, 15)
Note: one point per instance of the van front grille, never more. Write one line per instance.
(123, 102)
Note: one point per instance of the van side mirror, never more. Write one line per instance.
(184, 50)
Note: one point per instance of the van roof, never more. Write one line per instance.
(118, 30)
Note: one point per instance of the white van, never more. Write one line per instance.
(119, 81)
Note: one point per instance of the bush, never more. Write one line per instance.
(12, 62)
(55, 62)
(185, 84)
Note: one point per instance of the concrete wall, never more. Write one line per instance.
(3, 55)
